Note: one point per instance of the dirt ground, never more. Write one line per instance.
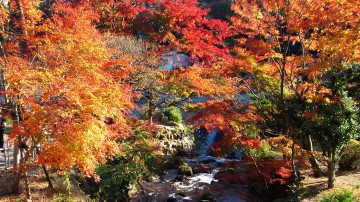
(39, 189)
(41, 193)
(316, 188)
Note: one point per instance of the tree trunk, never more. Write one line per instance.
(331, 169)
(27, 187)
(313, 162)
(44, 167)
(45, 170)
(282, 80)
(150, 115)
(314, 165)
(23, 169)
(16, 154)
(293, 159)
(150, 111)
(19, 28)
(47, 177)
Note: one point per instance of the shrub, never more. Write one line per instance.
(264, 152)
(276, 173)
(173, 114)
(61, 198)
(345, 196)
(117, 177)
(141, 159)
(350, 158)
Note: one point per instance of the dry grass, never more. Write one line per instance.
(41, 193)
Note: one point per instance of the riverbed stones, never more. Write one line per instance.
(208, 197)
(201, 168)
(179, 178)
(176, 197)
(171, 199)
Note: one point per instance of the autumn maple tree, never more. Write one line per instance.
(70, 76)
(69, 93)
(67, 103)
(287, 46)
(283, 48)
(174, 25)
(168, 27)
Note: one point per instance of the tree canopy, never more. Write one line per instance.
(73, 71)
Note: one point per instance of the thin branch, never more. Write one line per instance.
(253, 160)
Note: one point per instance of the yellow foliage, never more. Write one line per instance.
(66, 94)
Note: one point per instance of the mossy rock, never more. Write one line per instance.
(173, 114)
(185, 169)
(350, 158)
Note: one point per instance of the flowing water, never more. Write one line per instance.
(209, 139)
(194, 188)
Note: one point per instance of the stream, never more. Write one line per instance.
(199, 187)
(202, 186)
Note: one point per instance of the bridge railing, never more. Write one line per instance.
(6, 157)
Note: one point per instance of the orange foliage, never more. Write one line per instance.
(275, 172)
(287, 46)
(297, 38)
(204, 82)
(65, 94)
(173, 24)
(233, 119)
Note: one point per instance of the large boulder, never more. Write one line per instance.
(9, 183)
(202, 168)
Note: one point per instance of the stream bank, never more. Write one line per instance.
(203, 186)
(203, 183)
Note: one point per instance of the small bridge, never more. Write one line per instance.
(6, 157)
